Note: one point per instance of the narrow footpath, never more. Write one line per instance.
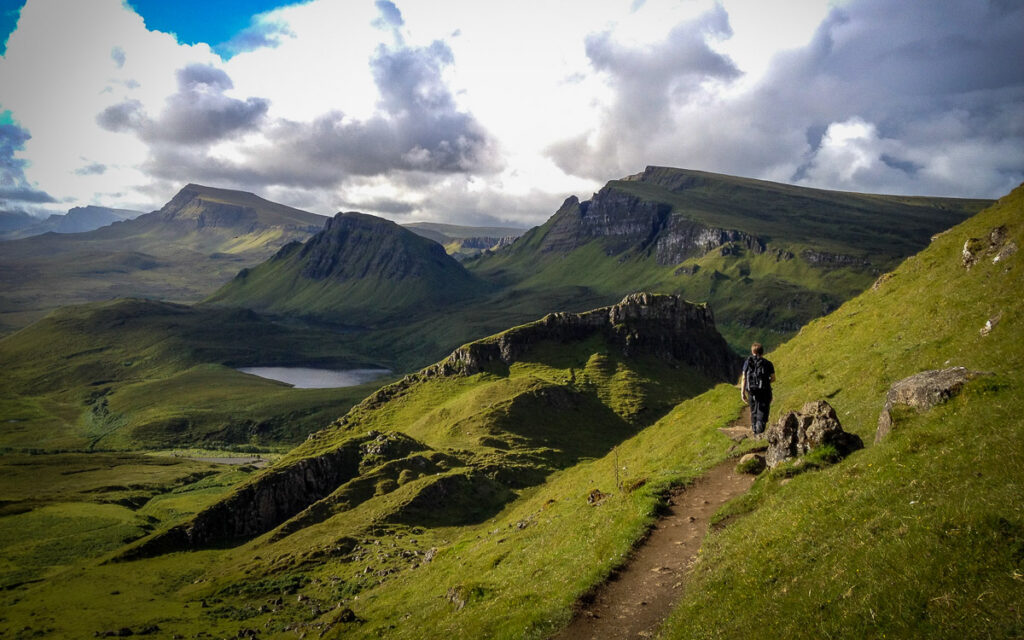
(639, 597)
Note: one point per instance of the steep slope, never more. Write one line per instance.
(76, 220)
(768, 257)
(359, 270)
(182, 252)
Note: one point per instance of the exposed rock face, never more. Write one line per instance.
(627, 222)
(662, 325)
(922, 391)
(799, 432)
(832, 260)
(275, 496)
(997, 244)
(198, 207)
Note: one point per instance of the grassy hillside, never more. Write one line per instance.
(182, 252)
(135, 373)
(919, 535)
(428, 458)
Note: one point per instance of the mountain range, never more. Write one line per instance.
(76, 220)
(181, 252)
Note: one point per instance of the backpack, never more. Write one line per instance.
(758, 377)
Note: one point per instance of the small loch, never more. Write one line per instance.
(307, 378)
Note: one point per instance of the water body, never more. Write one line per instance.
(305, 378)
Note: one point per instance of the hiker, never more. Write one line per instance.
(756, 387)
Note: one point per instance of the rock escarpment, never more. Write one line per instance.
(626, 222)
(660, 325)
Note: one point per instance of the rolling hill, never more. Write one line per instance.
(484, 496)
(182, 252)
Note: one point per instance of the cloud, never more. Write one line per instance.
(92, 169)
(886, 96)
(418, 128)
(258, 35)
(119, 57)
(13, 185)
(199, 113)
(649, 83)
(390, 16)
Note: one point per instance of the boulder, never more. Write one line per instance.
(922, 391)
(799, 432)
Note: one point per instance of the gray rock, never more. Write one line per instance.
(997, 243)
(799, 432)
(922, 391)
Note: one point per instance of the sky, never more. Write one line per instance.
(473, 112)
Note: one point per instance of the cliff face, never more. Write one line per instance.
(199, 207)
(659, 325)
(664, 326)
(628, 222)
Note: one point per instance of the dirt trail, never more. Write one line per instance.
(637, 599)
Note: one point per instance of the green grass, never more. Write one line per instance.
(58, 510)
(141, 374)
(921, 535)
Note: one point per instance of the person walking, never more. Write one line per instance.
(756, 387)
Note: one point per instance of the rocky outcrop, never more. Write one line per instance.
(627, 222)
(921, 392)
(276, 495)
(643, 323)
(996, 244)
(829, 260)
(665, 326)
(800, 432)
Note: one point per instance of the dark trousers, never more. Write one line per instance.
(760, 403)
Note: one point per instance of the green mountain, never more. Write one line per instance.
(497, 488)
(768, 257)
(182, 252)
(461, 242)
(359, 270)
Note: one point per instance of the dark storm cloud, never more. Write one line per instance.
(199, 113)
(929, 97)
(13, 185)
(648, 83)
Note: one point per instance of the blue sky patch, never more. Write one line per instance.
(215, 23)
